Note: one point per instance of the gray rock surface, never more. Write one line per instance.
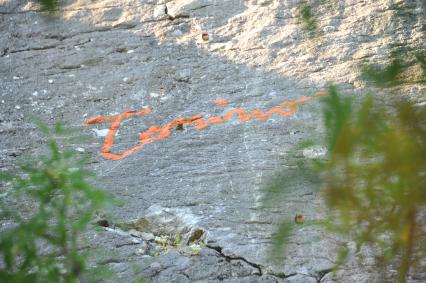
(105, 57)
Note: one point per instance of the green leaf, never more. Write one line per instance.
(281, 238)
(337, 113)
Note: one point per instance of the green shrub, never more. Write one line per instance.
(375, 178)
(42, 243)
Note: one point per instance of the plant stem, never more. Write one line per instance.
(408, 253)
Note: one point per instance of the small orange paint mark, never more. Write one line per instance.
(221, 102)
(319, 94)
(156, 133)
(205, 36)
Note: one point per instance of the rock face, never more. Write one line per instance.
(105, 57)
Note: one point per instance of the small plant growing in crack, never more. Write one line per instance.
(178, 240)
(307, 17)
(195, 249)
(49, 6)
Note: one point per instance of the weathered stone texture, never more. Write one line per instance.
(108, 56)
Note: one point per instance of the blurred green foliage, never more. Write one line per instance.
(374, 177)
(336, 113)
(49, 5)
(42, 243)
(374, 180)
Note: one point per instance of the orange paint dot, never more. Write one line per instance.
(221, 102)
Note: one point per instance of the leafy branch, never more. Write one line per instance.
(43, 243)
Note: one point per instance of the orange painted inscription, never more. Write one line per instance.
(156, 133)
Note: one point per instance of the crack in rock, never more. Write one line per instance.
(322, 273)
(46, 47)
(258, 267)
(230, 258)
